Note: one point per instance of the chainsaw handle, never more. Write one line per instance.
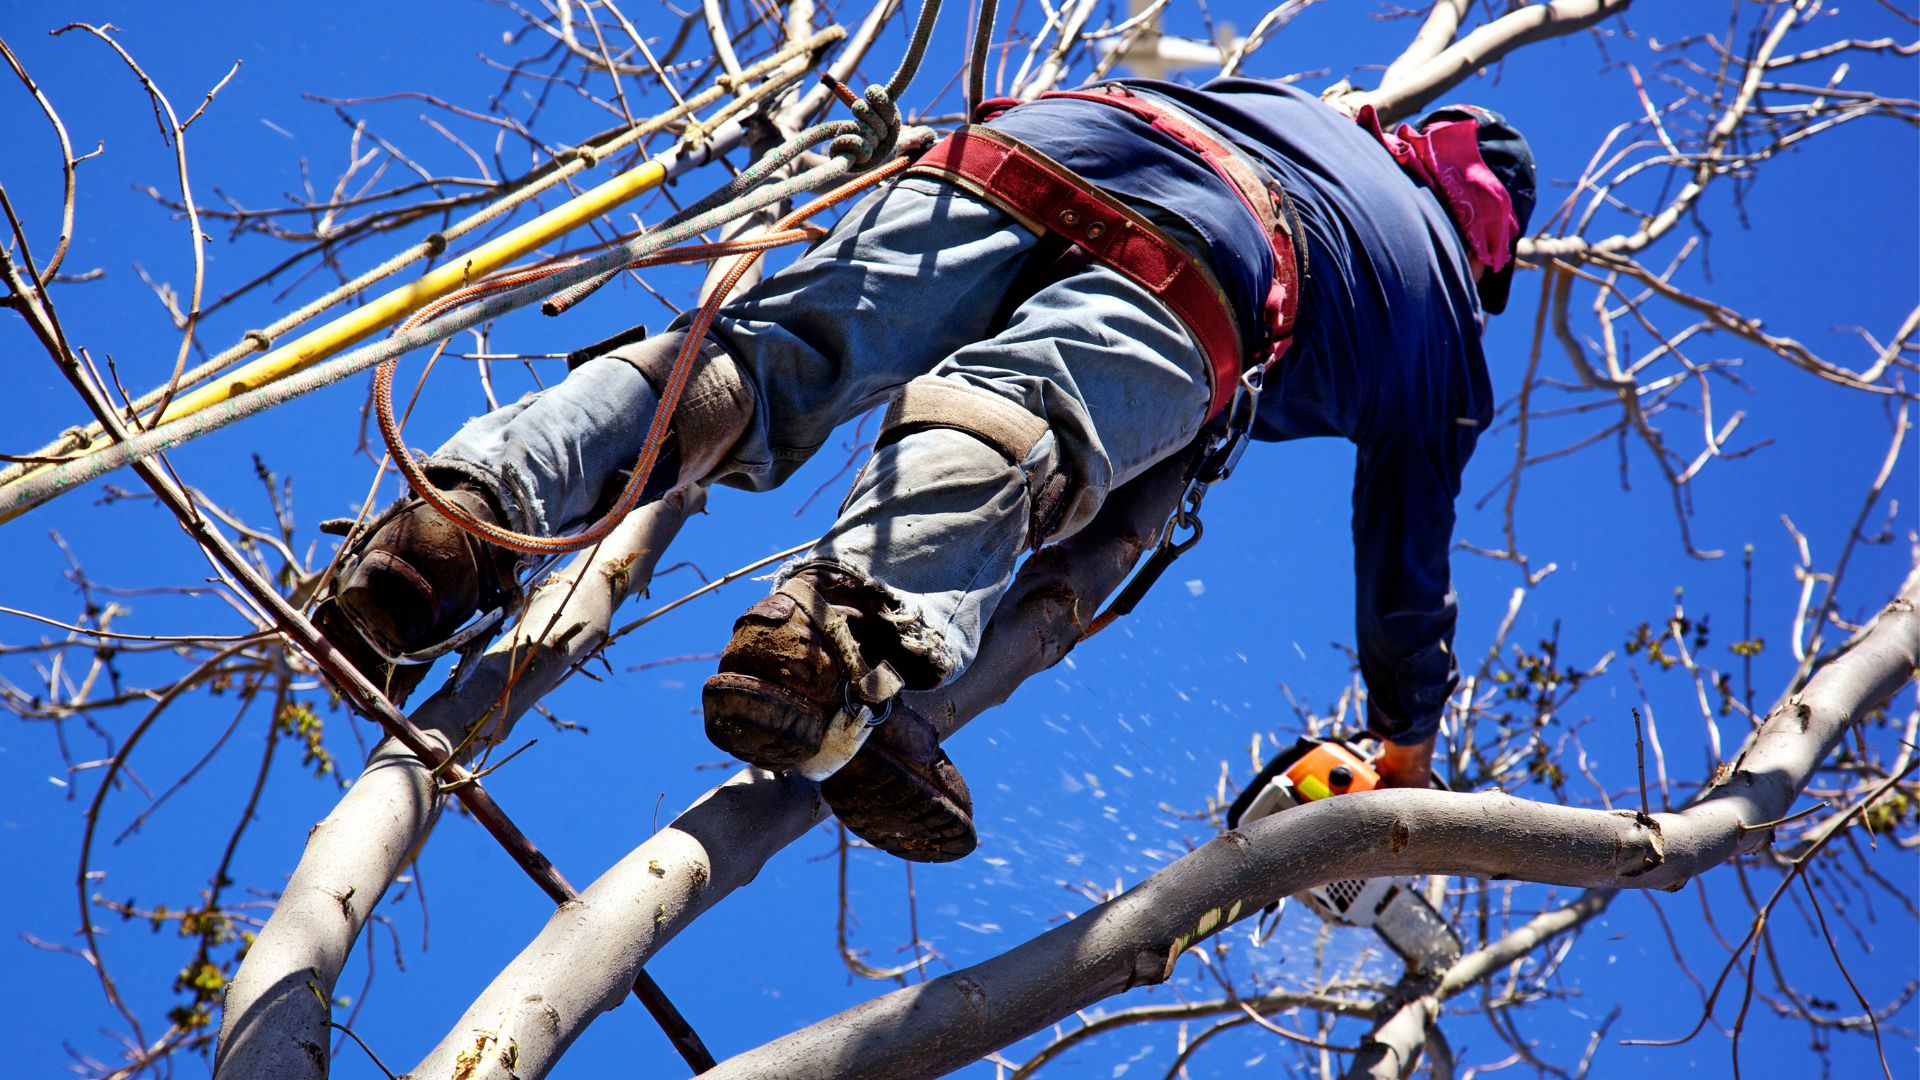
(1277, 766)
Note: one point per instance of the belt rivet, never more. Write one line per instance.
(1071, 217)
(1096, 230)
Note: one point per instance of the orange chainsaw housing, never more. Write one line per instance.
(1330, 769)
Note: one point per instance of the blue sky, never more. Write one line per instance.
(1072, 777)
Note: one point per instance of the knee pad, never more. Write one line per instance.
(715, 406)
(932, 402)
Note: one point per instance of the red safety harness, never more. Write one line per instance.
(1046, 197)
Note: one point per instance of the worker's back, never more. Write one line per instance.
(1386, 350)
(1387, 344)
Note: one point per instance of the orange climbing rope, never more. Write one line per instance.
(784, 231)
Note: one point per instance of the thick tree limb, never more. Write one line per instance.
(1418, 84)
(1396, 1041)
(1136, 938)
(275, 1019)
(581, 962)
(270, 607)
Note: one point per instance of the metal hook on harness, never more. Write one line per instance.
(1223, 456)
(873, 718)
(1187, 517)
(1216, 462)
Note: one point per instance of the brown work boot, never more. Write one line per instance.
(798, 660)
(409, 582)
(795, 661)
(902, 794)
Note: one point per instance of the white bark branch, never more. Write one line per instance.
(1435, 34)
(583, 961)
(843, 65)
(1712, 160)
(1394, 1047)
(274, 1021)
(1054, 68)
(1136, 938)
(722, 40)
(1419, 84)
(580, 964)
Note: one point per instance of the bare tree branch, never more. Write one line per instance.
(585, 956)
(1135, 939)
(277, 1002)
(1419, 83)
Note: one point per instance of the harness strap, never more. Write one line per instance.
(932, 402)
(1049, 199)
(1046, 197)
(870, 684)
(1263, 198)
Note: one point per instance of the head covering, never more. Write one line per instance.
(1505, 153)
(1482, 169)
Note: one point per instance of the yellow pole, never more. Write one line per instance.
(363, 321)
(367, 319)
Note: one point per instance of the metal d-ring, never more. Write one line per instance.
(856, 707)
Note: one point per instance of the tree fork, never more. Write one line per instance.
(579, 961)
(367, 840)
(1136, 938)
(301, 633)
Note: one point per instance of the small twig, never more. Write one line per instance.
(362, 1044)
(1640, 759)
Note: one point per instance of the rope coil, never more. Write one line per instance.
(855, 146)
(29, 482)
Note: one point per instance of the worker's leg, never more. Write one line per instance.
(1109, 382)
(906, 277)
(1007, 443)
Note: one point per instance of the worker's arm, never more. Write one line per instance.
(1403, 518)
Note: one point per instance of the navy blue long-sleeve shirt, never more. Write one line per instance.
(1386, 351)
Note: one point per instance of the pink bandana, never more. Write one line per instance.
(1446, 158)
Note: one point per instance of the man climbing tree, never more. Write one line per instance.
(1051, 301)
(195, 734)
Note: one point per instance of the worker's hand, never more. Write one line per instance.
(1405, 766)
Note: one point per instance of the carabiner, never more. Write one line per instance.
(1220, 458)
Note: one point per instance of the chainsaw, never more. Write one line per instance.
(1394, 907)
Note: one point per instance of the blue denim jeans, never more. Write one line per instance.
(907, 285)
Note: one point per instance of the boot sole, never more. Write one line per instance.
(396, 682)
(759, 722)
(889, 805)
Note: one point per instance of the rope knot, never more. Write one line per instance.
(875, 127)
(262, 341)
